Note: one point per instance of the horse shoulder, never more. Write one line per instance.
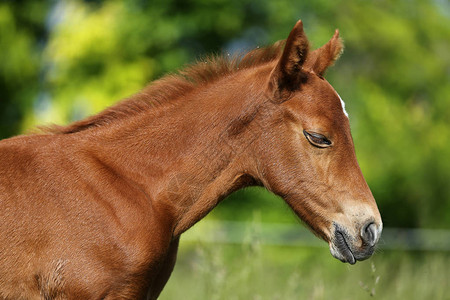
(75, 214)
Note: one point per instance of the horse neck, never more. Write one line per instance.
(192, 153)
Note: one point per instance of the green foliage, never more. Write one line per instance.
(402, 113)
(64, 60)
(21, 29)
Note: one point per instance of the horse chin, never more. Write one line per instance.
(340, 249)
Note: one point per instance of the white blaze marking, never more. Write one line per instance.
(343, 105)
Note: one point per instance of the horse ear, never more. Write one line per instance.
(322, 58)
(288, 74)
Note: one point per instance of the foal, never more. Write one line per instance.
(95, 210)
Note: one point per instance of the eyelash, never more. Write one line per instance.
(317, 140)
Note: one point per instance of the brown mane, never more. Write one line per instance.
(173, 86)
(98, 214)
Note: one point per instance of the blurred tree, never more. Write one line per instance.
(401, 106)
(22, 35)
(394, 76)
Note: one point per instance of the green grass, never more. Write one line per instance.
(255, 271)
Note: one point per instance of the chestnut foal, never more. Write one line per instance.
(95, 209)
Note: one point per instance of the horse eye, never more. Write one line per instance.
(316, 139)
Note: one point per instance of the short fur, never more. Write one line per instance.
(95, 209)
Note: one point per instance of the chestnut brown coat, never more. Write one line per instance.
(95, 209)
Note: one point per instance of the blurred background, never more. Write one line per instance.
(61, 61)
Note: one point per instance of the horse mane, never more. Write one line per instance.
(173, 86)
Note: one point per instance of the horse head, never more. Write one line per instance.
(307, 152)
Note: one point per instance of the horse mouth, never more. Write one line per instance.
(341, 249)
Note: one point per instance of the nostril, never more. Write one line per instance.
(369, 233)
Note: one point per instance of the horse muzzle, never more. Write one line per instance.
(357, 247)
